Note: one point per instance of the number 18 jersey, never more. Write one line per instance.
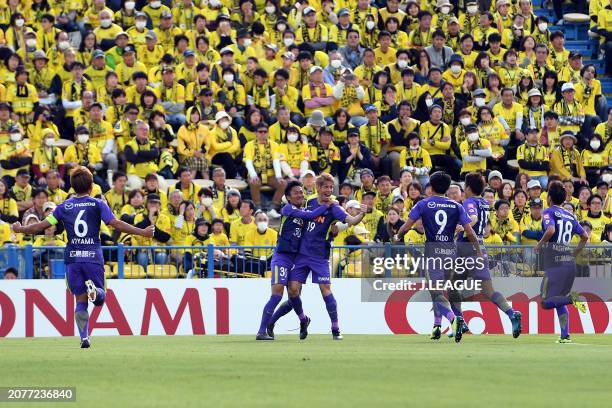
(81, 217)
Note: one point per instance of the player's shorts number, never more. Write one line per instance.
(565, 232)
(80, 226)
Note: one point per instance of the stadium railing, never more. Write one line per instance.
(167, 262)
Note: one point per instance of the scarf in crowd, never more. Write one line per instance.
(323, 158)
(377, 136)
(349, 96)
(569, 160)
(414, 158)
(262, 162)
(316, 37)
(261, 95)
(535, 116)
(448, 114)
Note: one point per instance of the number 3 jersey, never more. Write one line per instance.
(81, 217)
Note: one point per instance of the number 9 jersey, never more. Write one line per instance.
(81, 217)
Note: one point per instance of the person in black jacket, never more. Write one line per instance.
(386, 231)
(354, 156)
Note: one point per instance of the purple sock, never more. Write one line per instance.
(442, 309)
(456, 310)
(100, 297)
(437, 317)
(296, 303)
(332, 310)
(557, 302)
(81, 317)
(282, 310)
(563, 320)
(502, 304)
(267, 312)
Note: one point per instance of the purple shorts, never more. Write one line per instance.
(558, 281)
(480, 273)
(304, 265)
(79, 272)
(281, 265)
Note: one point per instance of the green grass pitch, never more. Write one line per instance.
(376, 371)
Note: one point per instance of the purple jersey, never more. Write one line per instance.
(565, 223)
(440, 217)
(479, 207)
(316, 237)
(292, 222)
(81, 217)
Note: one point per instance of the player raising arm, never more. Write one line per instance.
(287, 246)
(559, 263)
(81, 216)
(313, 255)
(440, 216)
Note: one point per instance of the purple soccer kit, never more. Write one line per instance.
(81, 217)
(476, 207)
(559, 263)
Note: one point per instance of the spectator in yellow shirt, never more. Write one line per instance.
(503, 223)
(84, 153)
(317, 95)
(106, 33)
(22, 96)
(193, 141)
(261, 236)
(47, 157)
(241, 227)
(141, 154)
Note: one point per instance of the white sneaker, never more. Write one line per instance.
(92, 293)
(273, 214)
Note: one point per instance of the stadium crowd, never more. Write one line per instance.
(253, 93)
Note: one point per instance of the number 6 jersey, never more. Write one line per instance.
(81, 217)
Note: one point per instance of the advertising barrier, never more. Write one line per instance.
(43, 308)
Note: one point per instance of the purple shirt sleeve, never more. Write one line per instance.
(105, 212)
(470, 207)
(290, 210)
(547, 220)
(338, 213)
(415, 213)
(464, 218)
(578, 228)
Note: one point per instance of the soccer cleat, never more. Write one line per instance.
(92, 292)
(517, 325)
(336, 335)
(304, 328)
(85, 343)
(564, 340)
(458, 324)
(464, 329)
(436, 333)
(263, 336)
(579, 304)
(270, 330)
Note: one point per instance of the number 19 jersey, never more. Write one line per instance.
(81, 217)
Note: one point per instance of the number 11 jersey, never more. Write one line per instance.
(81, 217)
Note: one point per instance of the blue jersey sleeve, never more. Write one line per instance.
(292, 211)
(105, 212)
(547, 220)
(416, 212)
(470, 207)
(338, 213)
(464, 218)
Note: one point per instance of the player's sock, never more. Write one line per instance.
(457, 311)
(557, 301)
(563, 321)
(296, 302)
(441, 303)
(332, 310)
(268, 311)
(282, 310)
(502, 304)
(437, 317)
(454, 298)
(100, 297)
(81, 317)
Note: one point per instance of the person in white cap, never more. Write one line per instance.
(311, 31)
(535, 108)
(224, 144)
(570, 111)
(317, 94)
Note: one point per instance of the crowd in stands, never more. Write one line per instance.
(379, 94)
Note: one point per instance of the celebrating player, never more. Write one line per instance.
(81, 216)
(559, 263)
(290, 233)
(313, 255)
(477, 209)
(440, 216)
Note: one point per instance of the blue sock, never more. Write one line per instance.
(267, 312)
(437, 317)
(556, 302)
(456, 310)
(81, 317)
(100, 297)
(296, 303)
(502, 304)
(332, 310)
(441, 303)
(563, 320)
(282, 310)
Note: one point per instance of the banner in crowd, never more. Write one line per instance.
(233, 306)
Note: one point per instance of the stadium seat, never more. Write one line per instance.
(203, 182)
(167, 183)
(162, 271)
(239, 185)
(130, 271)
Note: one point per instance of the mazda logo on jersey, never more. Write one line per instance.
(431, 204)
(68, 206)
